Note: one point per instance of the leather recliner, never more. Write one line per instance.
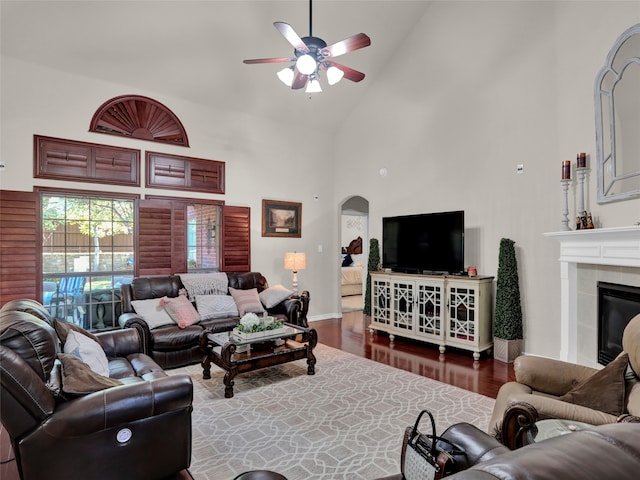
(540, 384)
(603, 452)
(139, 430)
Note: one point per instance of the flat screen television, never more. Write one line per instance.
(425, 243)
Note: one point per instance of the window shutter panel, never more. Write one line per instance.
(161, 239)
(19, 240)
(235, 245)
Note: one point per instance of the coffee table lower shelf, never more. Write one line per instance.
(221, 349)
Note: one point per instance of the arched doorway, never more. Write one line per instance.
(354, 247)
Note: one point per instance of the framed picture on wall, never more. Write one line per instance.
(281, 219)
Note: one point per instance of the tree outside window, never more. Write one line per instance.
(202, 237)
(87, 253)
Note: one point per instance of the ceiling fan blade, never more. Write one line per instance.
(354, 42)
(269, 60)
(349, 73)
(299, 81)
(292, 37)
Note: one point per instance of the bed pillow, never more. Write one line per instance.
(87, 350)
(180, 310)
(357, 259)
(272, 296)
(247, 300)
(152, 312)
(347, 260)
(604, 390)
(79, 379)
(216, 306)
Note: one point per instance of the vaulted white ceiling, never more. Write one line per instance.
(194, 49)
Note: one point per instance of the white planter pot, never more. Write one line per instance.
(506, 350)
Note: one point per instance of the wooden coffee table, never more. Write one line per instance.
(222, 349)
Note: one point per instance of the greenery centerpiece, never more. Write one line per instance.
(507, 324)
(372, 266)
(253, 326)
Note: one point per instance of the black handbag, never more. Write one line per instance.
(428, 457)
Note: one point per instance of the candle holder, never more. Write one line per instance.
(564, 219)
(581, 172)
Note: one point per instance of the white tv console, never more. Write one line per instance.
(445, 310)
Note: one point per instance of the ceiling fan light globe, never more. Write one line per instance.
(313, 86)
(334, 75)
(306, 64)
(286, 76)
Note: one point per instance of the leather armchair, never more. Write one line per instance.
(138, 430)
(540, 382)
(606, 451)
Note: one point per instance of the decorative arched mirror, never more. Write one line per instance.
(617, 103)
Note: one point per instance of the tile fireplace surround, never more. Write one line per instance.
(586, 257)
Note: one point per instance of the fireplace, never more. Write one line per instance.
(609, 254)
(617, 305)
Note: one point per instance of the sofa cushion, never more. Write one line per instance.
(63, 329)
(247, 300)
(170, 338)
(180, 310)
(79, 379)
(604, 390)
(216, 306)
(152, 312)
(272, 296)
(87, 350)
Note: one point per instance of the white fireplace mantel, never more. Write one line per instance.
(603, 246)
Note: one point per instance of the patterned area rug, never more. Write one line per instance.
(344, 422)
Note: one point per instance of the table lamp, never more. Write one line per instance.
(295, 261)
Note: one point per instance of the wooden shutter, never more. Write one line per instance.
(76, 161)
(235, 245)
(177, 172)
(19, 240)
(161, 238)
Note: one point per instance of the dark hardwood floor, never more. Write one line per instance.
(455, 367)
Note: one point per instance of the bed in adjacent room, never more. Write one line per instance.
(353, 267)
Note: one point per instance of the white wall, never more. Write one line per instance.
(478, 88)
(262, 161)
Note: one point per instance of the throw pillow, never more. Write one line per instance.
(347, 261)
(246, 300)
(216, 306)
(272, 296)
(180, 310)
(604, 390)
(152, 312)
(79, 379)
(87, 350)
(63, 329)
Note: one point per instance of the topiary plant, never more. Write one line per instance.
(507, 323)
(372, 266)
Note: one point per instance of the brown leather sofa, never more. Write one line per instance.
(140, 429)
(172, 346)
(604, 452)
(542, 387)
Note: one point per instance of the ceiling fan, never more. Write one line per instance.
(312, 55)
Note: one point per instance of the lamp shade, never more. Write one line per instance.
(313, 86)
(295, 261)
(306, 64)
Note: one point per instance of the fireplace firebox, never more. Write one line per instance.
(617, 305)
